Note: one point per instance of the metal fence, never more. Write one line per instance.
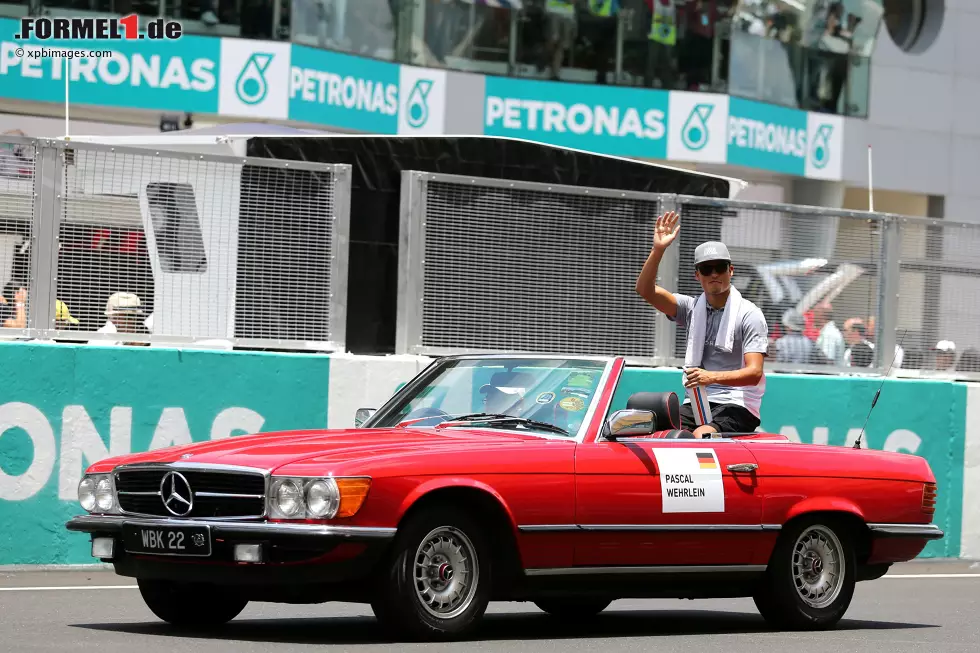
(490, 265)
(145, 245)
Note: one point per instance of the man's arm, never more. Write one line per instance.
(755, 345)
(751, 374)
(646, 284)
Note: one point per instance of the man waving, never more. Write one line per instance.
(727, 339)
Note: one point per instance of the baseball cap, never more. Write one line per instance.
(711, 251)
(945, 345)
(122, 303)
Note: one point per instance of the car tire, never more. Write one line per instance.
(436, 583)
(803, 588)
(573, 609)
(190, 605)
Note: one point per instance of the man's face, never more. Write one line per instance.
(715, 276)
(126, 323)
(851, 335)
(945, 360)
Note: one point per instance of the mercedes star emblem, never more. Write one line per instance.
(176, 494)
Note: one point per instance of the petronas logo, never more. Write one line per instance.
(417, 106)
(694, 133)
(251, 85)
(820, 149)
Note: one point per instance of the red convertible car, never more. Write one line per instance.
(510, 478)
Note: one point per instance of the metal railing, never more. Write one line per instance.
(491, 265)
(150, 246)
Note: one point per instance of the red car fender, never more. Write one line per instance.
(425, 488)
(825, 504)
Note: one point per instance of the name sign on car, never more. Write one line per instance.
(690, 480)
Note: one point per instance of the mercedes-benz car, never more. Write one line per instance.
(554, 480)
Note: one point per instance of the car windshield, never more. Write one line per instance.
(546, 396)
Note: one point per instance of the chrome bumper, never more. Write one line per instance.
(923, 531)
(113, 524)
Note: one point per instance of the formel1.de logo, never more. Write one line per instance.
(97, 29)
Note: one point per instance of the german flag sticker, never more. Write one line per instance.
(707, 460)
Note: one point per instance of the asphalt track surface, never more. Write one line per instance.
(917, 607)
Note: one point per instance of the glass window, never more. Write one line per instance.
(468, 35)
(363, 27)
(558, 392)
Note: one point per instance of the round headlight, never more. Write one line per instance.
(103, 495)
(289, 496)
(86, 493)
(323, 498)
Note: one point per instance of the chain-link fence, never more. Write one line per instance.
(526, 267)
(17, 186)
(490, 265)
(143, 246)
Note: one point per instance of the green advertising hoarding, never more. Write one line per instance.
(63, 406)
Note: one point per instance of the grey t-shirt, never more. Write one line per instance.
(751, 336)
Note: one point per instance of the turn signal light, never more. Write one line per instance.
(353, 492)
(929, 498)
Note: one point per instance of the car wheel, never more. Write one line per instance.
(184, 604)
(811, 576)
(436, 583)
(572, 609)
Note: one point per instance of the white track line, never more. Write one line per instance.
(69, 587)
(931, 576)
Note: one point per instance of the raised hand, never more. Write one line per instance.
(666, 230)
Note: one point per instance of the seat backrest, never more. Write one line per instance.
(665, 407)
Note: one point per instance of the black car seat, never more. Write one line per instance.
(666, 409)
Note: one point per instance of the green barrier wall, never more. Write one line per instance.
(58, 400)
(927, 418)
(63, 406)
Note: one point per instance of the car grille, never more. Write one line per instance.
(216, 493)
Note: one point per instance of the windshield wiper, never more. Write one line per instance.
(500, 418)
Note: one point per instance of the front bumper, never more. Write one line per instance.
(292, 553)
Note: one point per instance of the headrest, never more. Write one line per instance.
(664, 405)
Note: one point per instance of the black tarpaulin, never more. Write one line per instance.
(377, 163)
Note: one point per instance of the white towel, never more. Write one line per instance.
(725, 340)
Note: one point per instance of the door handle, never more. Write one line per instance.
(743, 467)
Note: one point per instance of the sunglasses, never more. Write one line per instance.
(720, 267)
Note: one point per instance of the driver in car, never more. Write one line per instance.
(728, 338)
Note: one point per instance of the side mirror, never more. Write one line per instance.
(362, 415)
(624, 423)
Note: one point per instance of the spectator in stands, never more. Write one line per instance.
(697, 48)
(830, 341)
(856, 333)
(662, 43)
(125, 313)
(562, 29)
(861, 355)
(13, 306)
(63, 319)
(969, 361)
(945, 355)
(794, 347)
(600, 30)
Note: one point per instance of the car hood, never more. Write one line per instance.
(270, 451)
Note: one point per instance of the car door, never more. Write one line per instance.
(651, 501)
